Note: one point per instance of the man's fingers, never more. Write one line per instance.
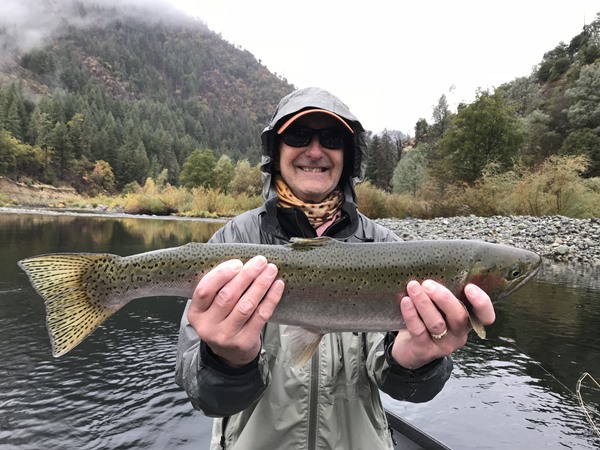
(436, 322)
(454, 313)
(425, 305)
(481, 303)
(251, 298)
(231, 326)
(221, 297)
(413, 321)
(264, 310)
(212, 283)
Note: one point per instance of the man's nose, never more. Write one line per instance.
(314, 149)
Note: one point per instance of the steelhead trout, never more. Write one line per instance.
(330, 286)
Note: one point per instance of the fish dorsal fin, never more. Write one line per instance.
(303, 343)
(308, 243)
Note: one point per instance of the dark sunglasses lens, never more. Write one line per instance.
(332, 138)
(297, 137)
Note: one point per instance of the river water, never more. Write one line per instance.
(517, 389)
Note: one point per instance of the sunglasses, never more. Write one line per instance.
(331, 138)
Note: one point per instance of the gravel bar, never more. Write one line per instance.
(556, 238)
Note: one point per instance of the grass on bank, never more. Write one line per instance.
(169, 200)
(554, 188)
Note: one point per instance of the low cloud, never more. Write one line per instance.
(27, 24)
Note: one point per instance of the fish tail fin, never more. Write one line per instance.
(72, 311)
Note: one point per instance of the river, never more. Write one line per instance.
(517, 389)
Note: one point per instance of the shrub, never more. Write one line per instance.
(247, 179)
(146, 204)
(4, 199)
(177, 199)
(208, 202)
(371, 201)
(491, 194)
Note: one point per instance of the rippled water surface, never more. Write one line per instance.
(116, 390)
(517, 389)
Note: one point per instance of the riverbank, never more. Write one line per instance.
(556, 238)
(100, 211)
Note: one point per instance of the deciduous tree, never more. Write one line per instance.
(410, 173)
(198, 169)
(585, 111)
(223, 173)
(488, 130)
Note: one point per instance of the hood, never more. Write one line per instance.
(307, 98)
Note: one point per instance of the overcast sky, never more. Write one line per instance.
(390, 61)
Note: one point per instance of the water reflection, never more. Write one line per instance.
(116, 390)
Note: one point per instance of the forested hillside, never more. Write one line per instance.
(531, 145)
(133, 90)
(119, 95)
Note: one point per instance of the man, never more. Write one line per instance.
(237, 367)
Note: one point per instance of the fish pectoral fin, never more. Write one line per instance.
(307, 243)
(303, 343)
(477, 325)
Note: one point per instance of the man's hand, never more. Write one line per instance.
(230, 306)
(429, 334)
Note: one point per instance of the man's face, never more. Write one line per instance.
(312, 172)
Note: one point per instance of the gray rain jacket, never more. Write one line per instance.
(333, 402)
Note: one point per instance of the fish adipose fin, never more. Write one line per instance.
(71, 311)
(303, 343)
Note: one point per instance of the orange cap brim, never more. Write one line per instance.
(312, 111)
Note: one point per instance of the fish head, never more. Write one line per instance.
(500, 270)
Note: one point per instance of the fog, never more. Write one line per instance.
(27, 24)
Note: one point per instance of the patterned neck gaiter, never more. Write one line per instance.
(317, 213)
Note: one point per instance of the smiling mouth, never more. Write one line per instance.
(313, 169)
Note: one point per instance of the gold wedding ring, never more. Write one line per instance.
(439, 336)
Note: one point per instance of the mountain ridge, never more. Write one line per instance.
(163, 86)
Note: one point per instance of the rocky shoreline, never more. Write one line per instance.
(555, 238)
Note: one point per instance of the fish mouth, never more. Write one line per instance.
(535, 268)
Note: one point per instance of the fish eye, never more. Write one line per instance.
(515, 272)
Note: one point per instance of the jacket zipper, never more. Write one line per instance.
(223, 428)
(313, 401)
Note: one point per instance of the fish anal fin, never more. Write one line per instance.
(303, 343)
